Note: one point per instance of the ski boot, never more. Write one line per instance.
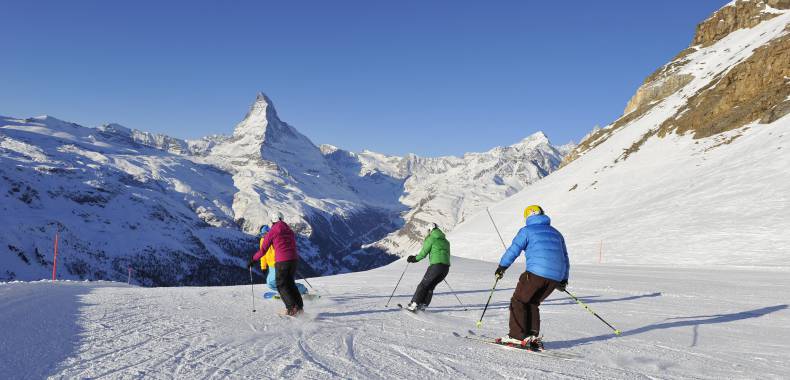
(535, 343)
(295, 312)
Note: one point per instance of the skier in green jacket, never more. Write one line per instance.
(437, 248)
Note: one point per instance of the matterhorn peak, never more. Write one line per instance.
(260, 115)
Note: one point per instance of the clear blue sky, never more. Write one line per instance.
(429, 77)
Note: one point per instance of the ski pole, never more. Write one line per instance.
(396, 285)
(616, 331)
(305, 280)
(252, 291)
(456, 295)
(480, 321)
(495, 228)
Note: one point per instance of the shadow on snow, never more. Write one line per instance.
(697, 321)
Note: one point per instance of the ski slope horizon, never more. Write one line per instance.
(676, 323)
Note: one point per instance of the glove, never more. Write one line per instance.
(250, 263)
(500, 271)
(411, 259)
(562, 285)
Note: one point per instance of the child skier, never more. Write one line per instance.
(437, 248)
(267, 265)
(547, 269)
(286, 258)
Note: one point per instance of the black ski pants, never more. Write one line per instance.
(286, 284)
(524, 306)
(433, 276)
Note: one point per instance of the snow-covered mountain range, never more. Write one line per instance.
(696, 171)
(446, 190)
(184, 212)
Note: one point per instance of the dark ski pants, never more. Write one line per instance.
(524, 306)
(433, 276)
(286, 284)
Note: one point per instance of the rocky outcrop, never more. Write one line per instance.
(666, 80)
(738, 15)
(657, 90)
(757, 89)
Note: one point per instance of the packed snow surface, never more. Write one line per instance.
(677, 323)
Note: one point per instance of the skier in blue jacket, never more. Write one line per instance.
(547, 269)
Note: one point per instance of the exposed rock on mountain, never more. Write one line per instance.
(738, 14)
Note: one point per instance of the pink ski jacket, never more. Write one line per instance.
(283, 239)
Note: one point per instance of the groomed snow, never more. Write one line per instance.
(677, 323)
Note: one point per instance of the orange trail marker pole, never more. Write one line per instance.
(55, 263)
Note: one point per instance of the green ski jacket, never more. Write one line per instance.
(436, 247)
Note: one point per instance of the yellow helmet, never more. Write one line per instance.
(532, 210)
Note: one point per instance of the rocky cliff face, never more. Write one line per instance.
(738, 14)
(756, 89)
(727, 78)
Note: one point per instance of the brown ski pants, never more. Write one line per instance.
(524, 306)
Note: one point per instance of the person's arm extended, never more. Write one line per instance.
(511, 254)
(426, 248)
(265, 244)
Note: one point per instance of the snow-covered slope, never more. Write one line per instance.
(677, 324)
(696, 171)
(175, 211)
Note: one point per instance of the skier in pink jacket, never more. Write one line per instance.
(286, 259)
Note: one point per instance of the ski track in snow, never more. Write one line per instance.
(677, 323)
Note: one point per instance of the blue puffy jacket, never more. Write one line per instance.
(545, 249)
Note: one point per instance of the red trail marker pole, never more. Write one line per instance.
(600, 252)
(55, 263)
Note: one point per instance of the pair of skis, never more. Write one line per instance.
(484, 339)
